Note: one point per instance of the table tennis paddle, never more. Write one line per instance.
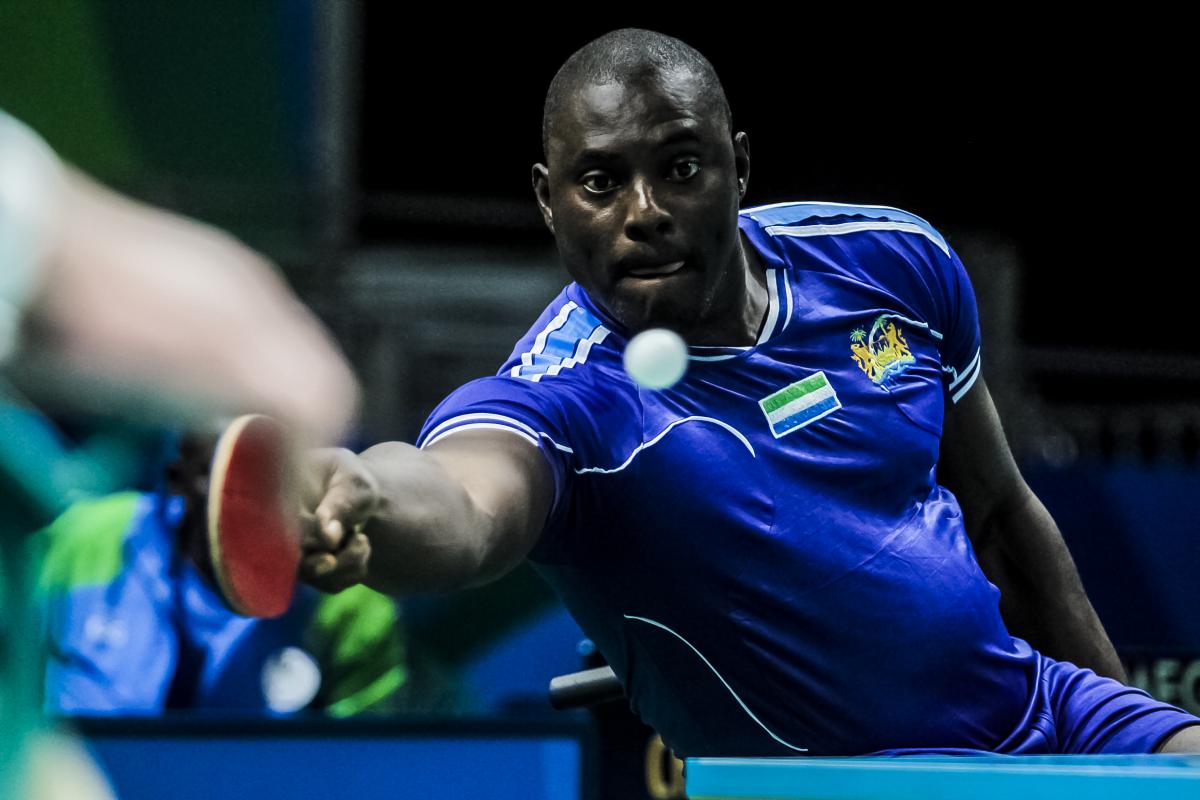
(253, 532)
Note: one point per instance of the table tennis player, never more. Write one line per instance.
(136, 626)
(817, 542)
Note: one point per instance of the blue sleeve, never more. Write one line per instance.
(947, 303)
(960, 345)
(520, 407)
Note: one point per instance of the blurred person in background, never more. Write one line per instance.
(136, 626)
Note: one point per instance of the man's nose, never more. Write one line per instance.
(645, 218)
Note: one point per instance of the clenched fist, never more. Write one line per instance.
(340, 496)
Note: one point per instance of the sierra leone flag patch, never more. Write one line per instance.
(805, 401)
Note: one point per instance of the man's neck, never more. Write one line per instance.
(738, 321)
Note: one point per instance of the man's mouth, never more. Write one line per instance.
(655, 270)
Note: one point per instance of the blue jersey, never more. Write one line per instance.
(762, 551)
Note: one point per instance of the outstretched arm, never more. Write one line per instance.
(464, 511)
(1017, 543)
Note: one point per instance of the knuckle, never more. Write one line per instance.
(309, 531)
(360, 482)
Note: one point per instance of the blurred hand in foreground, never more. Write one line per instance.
(134, 310)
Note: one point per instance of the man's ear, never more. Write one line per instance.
(541, 190)
(741, 161)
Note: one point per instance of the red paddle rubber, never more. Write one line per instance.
(253, 538)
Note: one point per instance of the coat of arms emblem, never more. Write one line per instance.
(882, 352)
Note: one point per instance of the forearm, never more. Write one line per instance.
(1042, 598)
(427, 534)
(139, 305)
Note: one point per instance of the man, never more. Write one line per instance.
(762, 551)
(135, 625)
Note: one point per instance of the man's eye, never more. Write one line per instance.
(598, 183)
(684, 170)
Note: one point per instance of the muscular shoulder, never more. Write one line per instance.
(878, 245)
(850, 257)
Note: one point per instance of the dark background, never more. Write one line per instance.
(382, 158)
(1065, 142)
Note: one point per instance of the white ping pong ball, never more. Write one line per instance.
(656, 358)
(290, 680)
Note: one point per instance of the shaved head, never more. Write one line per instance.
(630, 57)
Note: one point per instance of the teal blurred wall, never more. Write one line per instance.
(205, 107)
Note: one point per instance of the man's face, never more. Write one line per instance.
(641, 191)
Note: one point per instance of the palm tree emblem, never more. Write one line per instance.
(861, 353)
(884, 352)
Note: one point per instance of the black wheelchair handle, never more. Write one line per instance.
(587, 688)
